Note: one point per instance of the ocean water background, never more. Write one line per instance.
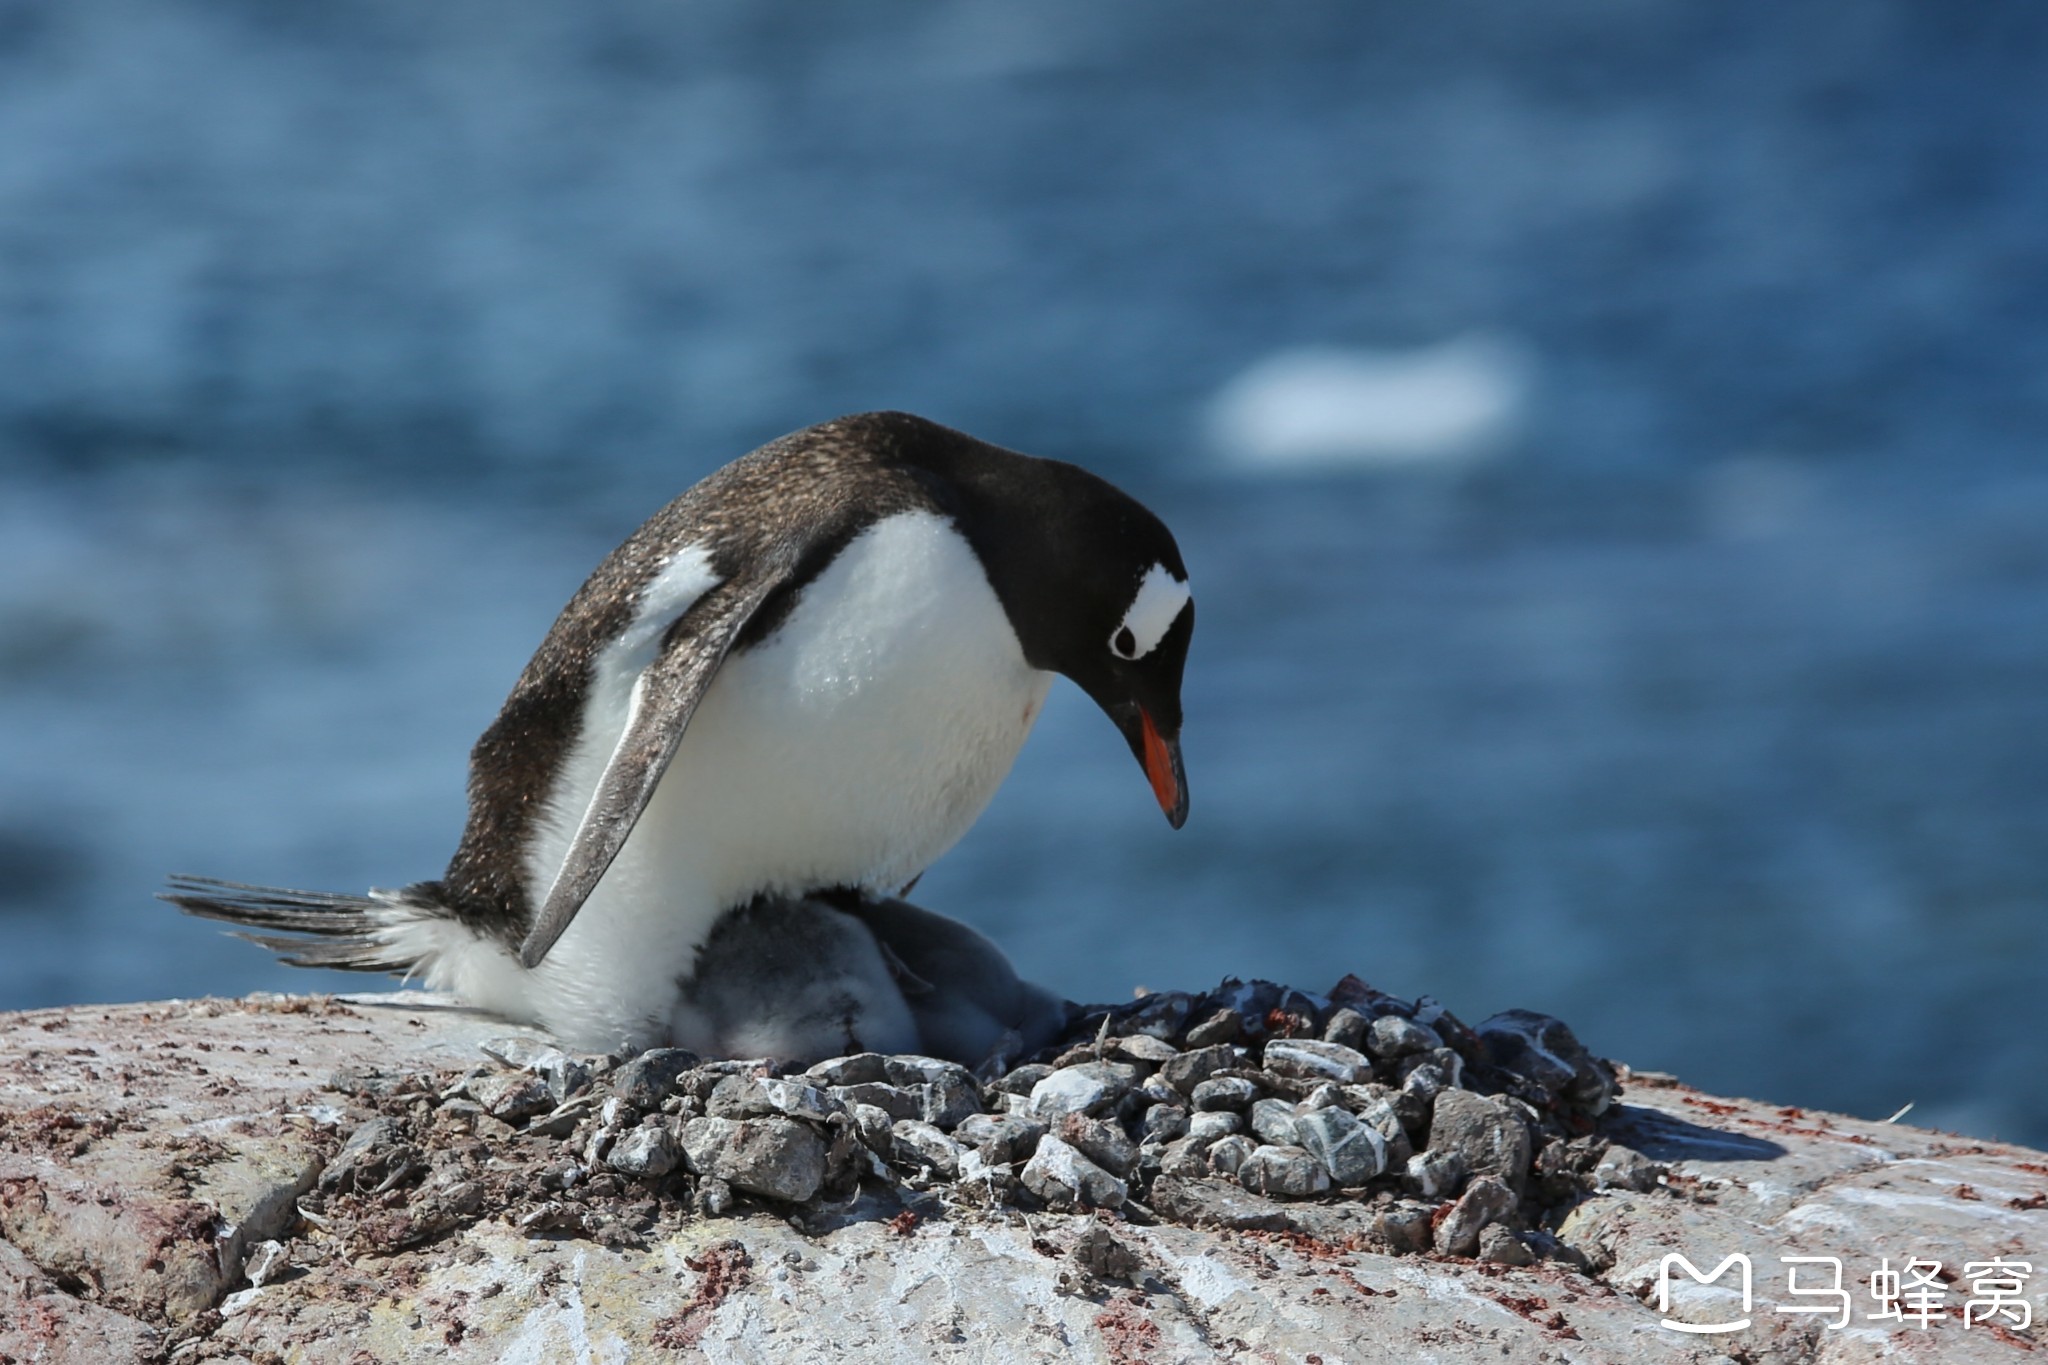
(1607, 440)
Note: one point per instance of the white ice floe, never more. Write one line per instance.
(1328, 407)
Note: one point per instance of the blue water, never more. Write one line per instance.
(1710, 713)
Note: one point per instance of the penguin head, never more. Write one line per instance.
(1134, 675)
(1107, 603)
(1091, 580)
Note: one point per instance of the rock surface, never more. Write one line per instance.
(385, 1168)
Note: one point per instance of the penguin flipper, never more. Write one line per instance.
(907, 981)
(665, 696)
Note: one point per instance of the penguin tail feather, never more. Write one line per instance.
(314, 928)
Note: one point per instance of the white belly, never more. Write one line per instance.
(851, 748)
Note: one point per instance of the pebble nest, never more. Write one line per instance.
(1355, 1118)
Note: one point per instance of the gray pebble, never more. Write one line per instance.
(737, 1097)
(1165, 1122)
(1382, 1118)
(1492, 1140)
(1347, 1027)
(1143, 1047)
(1102, 1255)
(1103, 1142)
(1392, 1037)
(646, 1080)
(562, 1122)
(1435, 1175)
(1064, 1178)
(896, 1103)
(1223, 1026)
(1485, 1200)
(1021, 1081)
(911, 1070)
(1426, 1081)
(265, 1262)
(1210, 1125)
(1071, 1091)
(917, 1143)
(1228, 1155)
(1190, 1069)
(1273, 1121)
(1090, 1088)
(644, 1152)
(1155, 1090)
(1001, 1138)
(714, 1197)
(1283, 1172)
(1224, 1092)
(1223, 1205)
(1161, 1016)
(1626, 1169)
(877, 1129)
(1404, 1227)
(1188, 1156)
(1350, 1151)
(949, 1097)
(1413, 1111)
(776, 1157)
(1445, 1061)
(512, 1095)
(1324, 1096)
(567, 1076)
(1502, 1246)
(1545, 1051)
(794, 1099)
(862, 1068)
(1314, 1060)
(987, 1184)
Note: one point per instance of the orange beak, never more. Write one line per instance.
(1163, 768)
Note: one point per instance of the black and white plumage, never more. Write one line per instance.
(808, 673)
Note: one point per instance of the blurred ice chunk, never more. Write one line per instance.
(1325, 407)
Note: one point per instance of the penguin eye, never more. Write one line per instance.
(1161, 598)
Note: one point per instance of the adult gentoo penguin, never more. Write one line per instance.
(808, 673)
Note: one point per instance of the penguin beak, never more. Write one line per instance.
(1161, 757)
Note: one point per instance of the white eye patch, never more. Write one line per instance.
(1161, 596)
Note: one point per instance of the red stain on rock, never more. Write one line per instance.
(1127, 1333)
(723, 1269)
(1538, 1311)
